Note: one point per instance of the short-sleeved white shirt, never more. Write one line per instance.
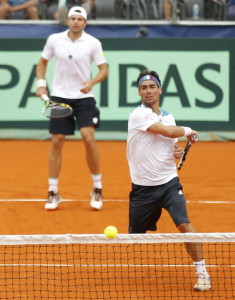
(73, 63)
(150, 155)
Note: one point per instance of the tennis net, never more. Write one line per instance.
(136, 266)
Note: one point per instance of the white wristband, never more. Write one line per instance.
(41, 83)
(187, 131)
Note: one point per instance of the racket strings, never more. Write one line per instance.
(57, 111)
(60, 111)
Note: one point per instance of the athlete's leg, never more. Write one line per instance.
(55, 158)
(93, 162)
(55, 155)
(175, 204)
(193, 249)
(92, 153)
(196, 253)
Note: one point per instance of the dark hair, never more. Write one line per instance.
(147, 72)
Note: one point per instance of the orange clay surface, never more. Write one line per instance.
(207, 176)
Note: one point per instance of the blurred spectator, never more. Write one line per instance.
(18, 9)
(55, 11)
(143, 9)
(231, 10)
(49, 9)
(167, 7)
(142, 32)
(89, 6)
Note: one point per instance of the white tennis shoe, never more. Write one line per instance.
(203, 282)
(96, 201)
(53, 201)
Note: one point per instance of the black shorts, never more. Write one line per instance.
(85, 114)
(146, 203)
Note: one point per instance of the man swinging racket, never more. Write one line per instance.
(151, 149)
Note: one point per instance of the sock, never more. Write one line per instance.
(200, 267)
(97, 184)
(53, 184)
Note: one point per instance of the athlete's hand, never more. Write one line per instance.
(178, 151)
(194, 137)
(41, 91)
(87, 87)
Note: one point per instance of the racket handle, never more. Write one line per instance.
(45, 97)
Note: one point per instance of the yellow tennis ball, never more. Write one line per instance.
(110, 232)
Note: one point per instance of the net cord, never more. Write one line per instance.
(215, 237)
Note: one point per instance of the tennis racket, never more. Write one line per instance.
(186, 150)
(54, 110)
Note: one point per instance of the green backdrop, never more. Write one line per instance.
(197, 77)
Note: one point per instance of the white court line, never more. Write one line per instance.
(211, 202)
(114, 200)
(64, 200)
(108, 265)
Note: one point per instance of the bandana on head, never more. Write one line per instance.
(149, 77)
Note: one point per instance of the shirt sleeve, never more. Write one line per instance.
(98, 54)
(48, 50)
(143, 118)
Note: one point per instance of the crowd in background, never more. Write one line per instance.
(137, 9)
(41, 9)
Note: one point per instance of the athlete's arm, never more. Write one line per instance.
(101, 75)
(171, 131)
(40, 74)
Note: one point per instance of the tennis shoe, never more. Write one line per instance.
(53, 201)
(96, 201)
(203, 282)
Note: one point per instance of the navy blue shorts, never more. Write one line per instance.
(147, 202)
(85, 114)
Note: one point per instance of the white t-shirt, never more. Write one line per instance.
(73, 63)
(150, 155)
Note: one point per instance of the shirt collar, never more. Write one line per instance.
(163, 112)
(82, 37)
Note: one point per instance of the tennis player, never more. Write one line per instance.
(151, 149)
(74, 51)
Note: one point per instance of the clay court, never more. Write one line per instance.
(207, 176)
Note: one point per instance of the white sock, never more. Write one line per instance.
(53, 184)
(200, 267)
(97, 184)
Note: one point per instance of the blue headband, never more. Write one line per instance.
(149, 77)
